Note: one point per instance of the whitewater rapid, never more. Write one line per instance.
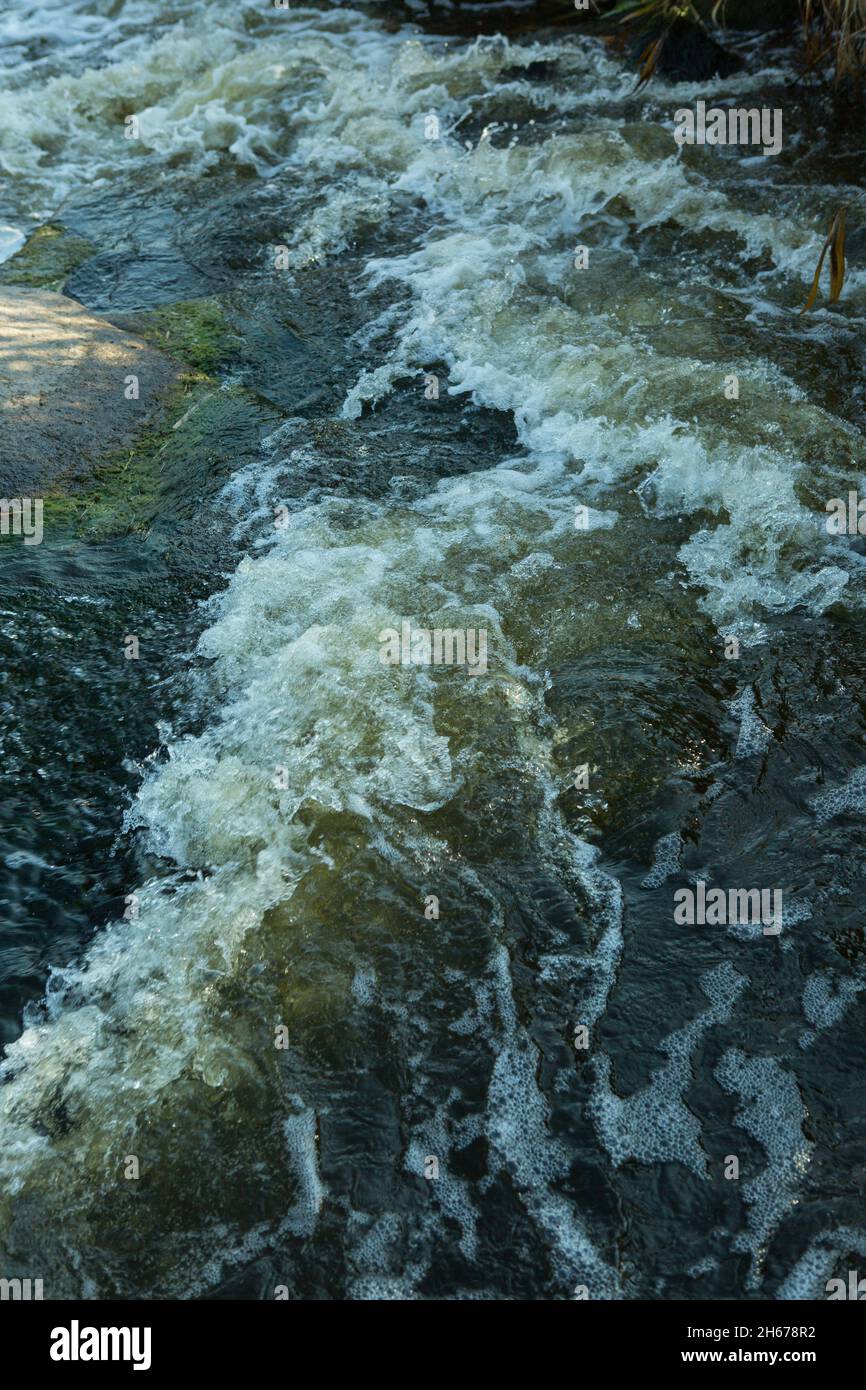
(325, 786)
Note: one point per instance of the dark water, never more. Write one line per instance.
(282, 806)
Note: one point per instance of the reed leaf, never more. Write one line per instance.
(835, 244)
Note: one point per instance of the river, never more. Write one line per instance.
(312, 937)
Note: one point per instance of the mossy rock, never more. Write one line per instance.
(122, 493)
(47, 258)
(195, 331)
(160, 480)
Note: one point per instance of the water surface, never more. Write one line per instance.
(282, 807)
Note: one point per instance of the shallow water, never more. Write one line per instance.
(284, 808)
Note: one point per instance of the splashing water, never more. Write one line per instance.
(620, 516)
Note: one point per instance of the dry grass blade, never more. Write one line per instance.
(837, 254)
(649, 61)
(838, 26)
(633, 9)
(835, 244)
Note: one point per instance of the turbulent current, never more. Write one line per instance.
(372, 966)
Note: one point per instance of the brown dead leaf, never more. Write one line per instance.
(837, 254)
(835, 244)
(649, 60)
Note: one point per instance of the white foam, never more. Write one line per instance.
(826, 999)
(655, 1125)
(521, 1143)
(11, 239)
(754, 737)
(849, 799)
(808, 1279)
(299, 1131)
(772, 1111)
(666, 860)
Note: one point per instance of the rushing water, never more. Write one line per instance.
(284, 807)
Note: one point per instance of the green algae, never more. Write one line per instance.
(188, 447)
(195, 331)
(159, 481)
(47, 258)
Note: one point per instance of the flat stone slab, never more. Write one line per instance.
(66, 400)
